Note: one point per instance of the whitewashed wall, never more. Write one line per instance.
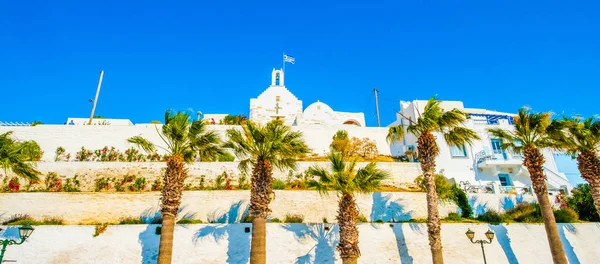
(213, 206)
(72, 138)
(228, 206)
(299, 243)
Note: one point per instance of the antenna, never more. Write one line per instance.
(96, 99)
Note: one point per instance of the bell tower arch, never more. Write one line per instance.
(277, 78)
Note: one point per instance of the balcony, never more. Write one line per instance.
(491, 159)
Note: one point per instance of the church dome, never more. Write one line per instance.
(318, 112)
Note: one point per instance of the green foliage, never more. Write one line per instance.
(234, 119)
(525, 213)
(59, 154)
(219, 181)
(364, 148)
(345, 178)
(575, 135)
(492, 217)
(278, 184)
(247, 218)
(275, 220)
(184, 137)
(53, 182)
(14, 155)
(103, 184)
(84, 155)
(435, 119)
(226, 157)
(72, 185)
(448, 191)
(243, 183)
(362, 219)
(276, 143)
(139, 184)
(156, 184)
(566, 215)
(131, 221)
(292, 218)
(131, 183)
(23, 219)
(99, 229)
(35, 123)
(325, 220)
(155, 122)
(341, 142)
(531, 129)
(453, 217)
(189, 221)
(582, 202)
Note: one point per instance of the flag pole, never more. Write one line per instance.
(283, 69)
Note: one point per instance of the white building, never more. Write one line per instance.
(98, 122)
(485, 163)
(277, 102)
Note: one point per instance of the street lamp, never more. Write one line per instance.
(489, 235)
(24, 232)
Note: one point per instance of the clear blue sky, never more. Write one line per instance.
(214, 56)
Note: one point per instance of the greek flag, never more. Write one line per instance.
(287, 58)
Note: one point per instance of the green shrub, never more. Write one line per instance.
(188, 221)
(278, 184)
(362, 219)
(220, 180)
(453, 217)
(72, 185)
(243, 183)
(379, 221)
(139, 184)
(492, 217)
(583, 203)
(102, 184)
(131, 221)
(22, 219)
(53, 182)
(290, 218)
(226, 157)
(448, 191)
(325, 220)
(525, 213)
(566, 215)
(275, 220)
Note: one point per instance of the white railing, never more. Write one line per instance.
(14, 124)
(514, 190)
(556, 180)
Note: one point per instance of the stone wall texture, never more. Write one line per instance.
(300, 243)
(401, 174)
(229, 206)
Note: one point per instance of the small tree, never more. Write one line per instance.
(341, 142)
(14, 156)
(583, 203)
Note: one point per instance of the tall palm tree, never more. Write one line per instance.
(581, 138)
(346, 180)
(531, 134)
(263, 147)
(15, 156)
(450, 124)
(184, 139)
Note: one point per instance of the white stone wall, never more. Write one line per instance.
(72, 138)
(401, 174)
(299, 243)
(209, 206)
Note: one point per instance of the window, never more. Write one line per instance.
(458, 151)
(497, 146)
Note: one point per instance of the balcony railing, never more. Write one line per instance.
(497, 155)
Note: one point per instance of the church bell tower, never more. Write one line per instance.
(277, 78)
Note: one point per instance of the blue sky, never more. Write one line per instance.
(213, 56)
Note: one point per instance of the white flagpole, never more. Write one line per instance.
(283, 69)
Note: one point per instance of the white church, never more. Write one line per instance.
(277, 102)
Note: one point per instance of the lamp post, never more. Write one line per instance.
(489, 235)
(24, 232)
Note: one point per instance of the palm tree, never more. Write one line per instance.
(450, 125)
(184, 139)
(581, 138)
(263, 147)
(531, 134)
(15, 156)
(346, 180)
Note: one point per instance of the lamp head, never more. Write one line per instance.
(470, 234)
(25, 231)
(490, 235)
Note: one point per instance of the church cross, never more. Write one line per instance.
(277, 108)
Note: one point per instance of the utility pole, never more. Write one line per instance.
(377, 106)
(96, 99)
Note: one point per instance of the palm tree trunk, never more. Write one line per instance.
(258, 244)
(347, 215)
(259, 209)
(534, 161)
(165, 249)
(428, 150)
(170, 200)
(589, 167)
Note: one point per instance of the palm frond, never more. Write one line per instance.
(459, 135)
(395, 134)
(142, 143)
